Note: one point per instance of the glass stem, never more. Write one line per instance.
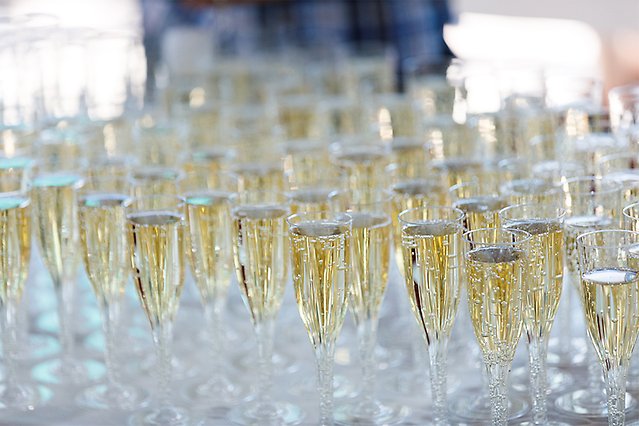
(537, 350)
(264, 332)
(9, 343)
(65, 293)
(325, 361)
(367, 335)
(497, 375)
(213, 319)
(616, 390)
(437, 351)
(162, 337)
(110, 324)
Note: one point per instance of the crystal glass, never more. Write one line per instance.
(15, 238)
(321, 249)
(152, 180)
(261, 255)
(208, 200)
(480, 203)
(532, 191)
(431, 242)
(624, 112)
(156, 240)
(591, 204)
(542, 290)
(608, 265)
(106, 258)
(497, 269)
(370, 263)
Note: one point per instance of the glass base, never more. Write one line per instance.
(22, 397)
(79, 372)
(473, 404)
(220, 392)
(105, 397)
(276, 413)
(369, 413)
(165, 416)
(342, 387)
(557, 380)
(586, 402)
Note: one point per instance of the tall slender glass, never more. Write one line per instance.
(591, 204)
(542, 290)
(152, 180)
(370, 263)
(261, 255)
(106, 260)
(433, 263)
(15, 252)
(54, 196)
(609, 269)
(497, 269)
(208, 200)
(157, 250)
(480, 203)
(320, 245)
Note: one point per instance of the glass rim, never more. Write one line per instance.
(624, 91)
(558, 208)
(402, 215)
(340, 217)
(626, 210)
(175, 173)
(180, 201)
(616, 185)
(581, 238)
(550, 187)
(526, 237)
(243, 195)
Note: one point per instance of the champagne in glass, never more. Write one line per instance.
(361, 168)
(209, 198)
(480, 204)
(15, 252)
(532, 191)
(320, 246)
(610, 297)
(497, 267)
(433, 262)
(54, 195)
(371, 245)
(152, 180)
(106, 260)
(157, 250)
(261, 255)
(542, 290)
(408, 157)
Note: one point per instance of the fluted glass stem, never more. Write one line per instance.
(325, 360)
(616, 392)
(497, 376)
(537, 350)
(437, 352)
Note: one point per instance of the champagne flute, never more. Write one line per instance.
(480, 204)
(543, 289)
(105, 252)
(261, 256)
(157, 251)
(153, 180)
(208, 200)
(305, 162)
(497, 268)
(591, 204)
(15, 250)
(371, 244)
(532, 191)
(608, 264)
(54, 195)
(433, 261)
(408, 157)
(320, 245)
(624, 114)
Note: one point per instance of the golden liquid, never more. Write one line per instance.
(210, 252)
(156, 240)
(409, 158)
(261, 254)
(363, 173)
(155, 181)
(104, 244)
(15, 246)
(610, 299)
(206, 162)
(433, 269)
(322, 277)
(311, 200)
(533, 191)
(573, 227)
(17, 167)
(481, 212)
(370, 259)
(298, 119)
(546, 260)
(496, 283)
(56, 224)
(304, 169)
(410, 194)
(260, 177)
(459, 170)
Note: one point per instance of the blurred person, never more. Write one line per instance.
(414, 28)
